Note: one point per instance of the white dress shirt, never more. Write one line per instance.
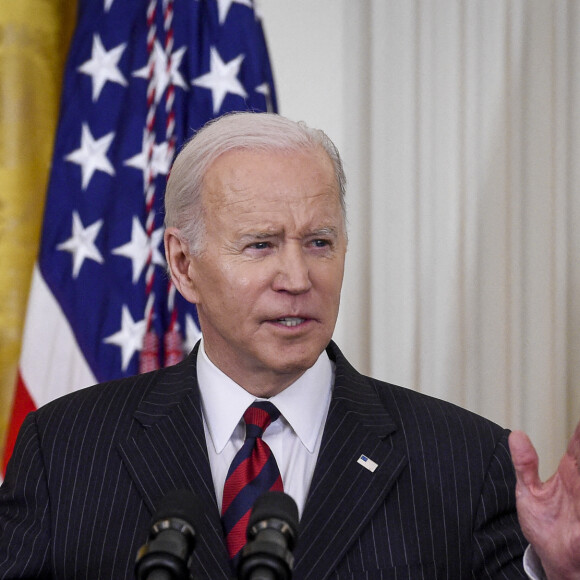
(533, 565)
(294, 437)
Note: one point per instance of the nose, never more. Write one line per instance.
(293, 275)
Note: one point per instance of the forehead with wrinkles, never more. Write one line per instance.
(239, 177)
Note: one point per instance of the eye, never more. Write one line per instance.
(260, 246)
(320, 243)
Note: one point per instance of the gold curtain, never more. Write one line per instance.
(34, 39)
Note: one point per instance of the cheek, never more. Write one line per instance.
(235, 290)
(331, 279)
(250, 278)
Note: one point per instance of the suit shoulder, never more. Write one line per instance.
(408, 407)
(115, 400)
(419, 412)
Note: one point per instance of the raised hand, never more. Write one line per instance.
(549, 512)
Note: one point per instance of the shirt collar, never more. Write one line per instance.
(303, 404)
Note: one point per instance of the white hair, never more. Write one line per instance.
(244, 130)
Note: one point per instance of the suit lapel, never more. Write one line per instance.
(166, 450)
(344, 494)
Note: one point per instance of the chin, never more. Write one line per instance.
(294, 365)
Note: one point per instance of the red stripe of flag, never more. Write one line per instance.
(23, 404)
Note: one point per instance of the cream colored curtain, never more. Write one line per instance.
(463, 142)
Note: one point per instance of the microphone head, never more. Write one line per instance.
(169, 549)
(274, 505)
(272, 533)
(178, 510)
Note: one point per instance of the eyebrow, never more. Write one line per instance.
(265, 234)
(261, 235)
(329, 231)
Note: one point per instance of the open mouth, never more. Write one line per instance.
(290, 321)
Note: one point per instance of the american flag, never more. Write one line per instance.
(141, 77)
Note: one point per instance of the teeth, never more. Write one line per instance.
(291, 321)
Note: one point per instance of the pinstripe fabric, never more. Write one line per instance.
(439, 505)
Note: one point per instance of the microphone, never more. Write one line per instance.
(272, 534)
(166, 554)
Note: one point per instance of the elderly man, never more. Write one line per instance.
(389, 483)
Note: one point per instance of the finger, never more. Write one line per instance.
(574, 445)
(525, 459)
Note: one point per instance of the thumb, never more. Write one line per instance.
(525, 459)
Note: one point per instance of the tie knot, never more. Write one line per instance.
(258, 416)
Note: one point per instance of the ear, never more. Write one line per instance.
(179, 260)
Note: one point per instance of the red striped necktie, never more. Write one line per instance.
(253, 471)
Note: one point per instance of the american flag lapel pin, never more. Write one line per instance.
(367, 463)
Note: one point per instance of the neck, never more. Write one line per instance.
(262, 383)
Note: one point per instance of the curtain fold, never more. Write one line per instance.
(466, 204)
(33, 41)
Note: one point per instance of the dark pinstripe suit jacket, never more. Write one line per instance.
(89, 468)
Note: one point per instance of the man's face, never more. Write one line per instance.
(267, 283)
